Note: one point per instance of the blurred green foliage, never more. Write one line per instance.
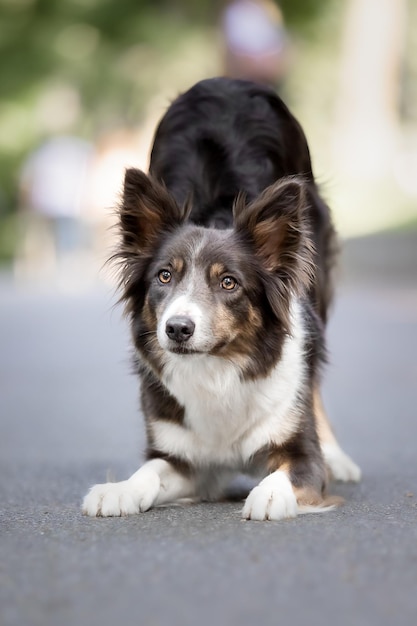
(82, 66)
(88, 66)
(109, 50)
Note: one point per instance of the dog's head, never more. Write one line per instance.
(191, 290)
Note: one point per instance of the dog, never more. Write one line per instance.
(226, 259)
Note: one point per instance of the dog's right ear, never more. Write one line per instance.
(146, 211)
(276, 224)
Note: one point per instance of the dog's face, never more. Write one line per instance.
(203, 294)
(193, 290)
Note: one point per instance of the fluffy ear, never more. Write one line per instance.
(147, 210)
(276, 224)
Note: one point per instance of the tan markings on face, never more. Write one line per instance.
(148, 315)
(150, 341)
(152, 315)
(224, 324)
(216, 270)
(254, 317)
(177, 264)
(239, 335)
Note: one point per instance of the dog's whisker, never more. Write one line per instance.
(149, 332)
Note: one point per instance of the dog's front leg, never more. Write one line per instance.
(279, 497)
(272, 499)
(156, 482)
(296, 482)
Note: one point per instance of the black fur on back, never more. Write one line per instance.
(224, 137)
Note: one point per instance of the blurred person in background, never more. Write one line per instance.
(256, 42)
(115, 150)
(53, 187)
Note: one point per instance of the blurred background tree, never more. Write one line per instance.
(86, 66)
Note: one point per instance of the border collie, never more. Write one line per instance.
(226, 257)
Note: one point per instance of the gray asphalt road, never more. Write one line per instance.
(68, 416)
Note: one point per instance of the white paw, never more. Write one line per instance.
(123, 498)
(272, 499)
(110, 499)
(340, 465)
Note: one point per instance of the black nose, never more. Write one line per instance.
(179, 328)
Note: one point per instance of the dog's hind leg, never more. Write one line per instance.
(339, 464)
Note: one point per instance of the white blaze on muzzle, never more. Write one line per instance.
(184, 321)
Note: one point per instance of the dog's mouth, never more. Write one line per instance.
(184, 350)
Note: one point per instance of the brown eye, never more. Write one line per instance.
(229, 283)
(164, 276)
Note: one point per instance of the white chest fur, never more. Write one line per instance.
(227, 419)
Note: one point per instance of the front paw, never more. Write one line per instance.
(340, 465)
(272, 499)
(123, 498)
(110, 500)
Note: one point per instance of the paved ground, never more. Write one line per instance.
(68, 415)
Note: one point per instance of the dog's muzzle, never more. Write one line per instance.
(179, 328)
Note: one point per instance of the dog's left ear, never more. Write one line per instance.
(146, 211)
(277, 226)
